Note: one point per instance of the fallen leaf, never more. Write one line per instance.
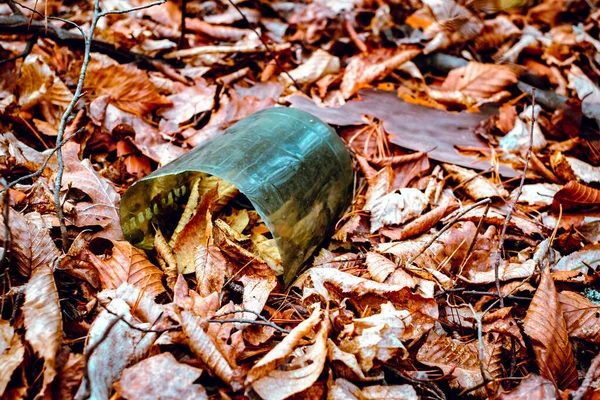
(11, 353)
(364, 69)
(475, 185)
(546, 327)
(576, 197)
(16, 154)
(43, 320)
(127, 264)
(581, 316)
(533, 387)
(210, 268)
(480, 81)
(584, 259)
(396, 208)
(379, 266)
(319, 64)
(160, 376)
(588, 93)
(345, 390)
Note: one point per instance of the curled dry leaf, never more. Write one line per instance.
(210, 268)
(103, 208)
(475, 185)
(586, 91)
(257, 289)
(345, 390)
(576, 197)
(379, 266)
(43, 320)
(346, 363)
(537, 194)
(16, 154)
(115, 345)
(546, 327)
(38, 83)
(380, 336)
(581, 316)
(300, 372)
(161, 376)
(127, 264)
(127, 86)
(518, 139)
(32, 246)
(203, 345)
(364, 69)
(397, 207)
(319, 64)
(11, 353)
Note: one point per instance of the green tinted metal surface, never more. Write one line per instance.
(292, 167)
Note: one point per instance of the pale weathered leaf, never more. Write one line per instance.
(210, 265)
(43, 320)
(300, 372)
(397, 208)
(586, 91)
(161, 376)
(16, 154)
(475, 185)
(32, 246)
(587, 256)
(38, 83)
(116, 345)
(11, 353)
(319, 64)
(533, 387)
(345, 390)
(546, 327)
(127, 264)
(379, 266)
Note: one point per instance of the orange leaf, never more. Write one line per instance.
(581, 316)
(480, 81)
(575, 197)
(546, 327)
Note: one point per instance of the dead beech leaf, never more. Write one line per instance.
(586, 257)
(103, 208)
(11, 353)
(116, 346)
(346, 363)
(533, 387)
(517, 140)
(70, 375)
(581, 316)
(319, 64)
(379, 266)
(38, 83)
(480, 81)
(475, 185)
(127, 86)
(300, 372)
(204, 347)
(380, 336)
(576, 197)
(453, 357)
(127, 264)
(546, 327)
(32, 246)
(160, 376)
(210, 269)
(364, 69)
(256, 292)
(16, 154)
(586, 91)
(396, 208)
(345, 390)
(43, 320)
(537, 194)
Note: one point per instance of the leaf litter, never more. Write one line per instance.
(431, 285)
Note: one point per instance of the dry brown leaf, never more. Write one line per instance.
(345, 390)
(203, 345)
(480, 81)
(103, 208)
(576, 197)
(127, 264)
(256, 292)
(217, 31)
(160, 376)
(581, 316)
(380, 336)
(299, 372)
(475, 185)
(32, 246)
(116, 345)
(38, 83)
(379, 266)
(16, 154)
(533, 387)
(586, 91)
(538, 195)
(364, 69)
(70, 375)
(43, 320)
(210, 269)
(319, 64)
(11, 353)
(453, 357)
(196, 231)
(546, 327)
(127, 86)
(346, 364)
(188, 102)
(396, 208)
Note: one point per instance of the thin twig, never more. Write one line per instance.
(136, 327)
(132, 9)
(269, 52)
(28, 47)
(480, 343)
(183, 29)
(247, 321)
(513, 205)
(446, 227)
(425, 384)
(264, 321)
